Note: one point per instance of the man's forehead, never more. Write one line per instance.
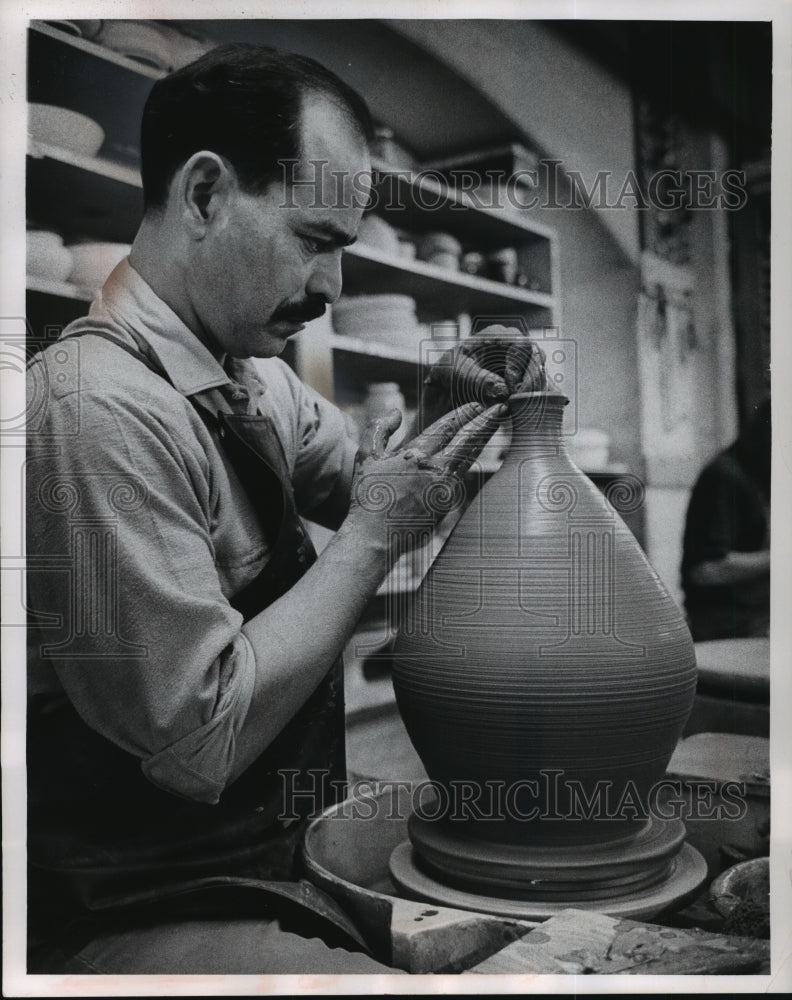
(330, 135)
(329, 128)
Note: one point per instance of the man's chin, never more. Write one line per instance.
(271, 342)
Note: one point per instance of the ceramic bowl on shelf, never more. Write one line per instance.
(386, 147)
(157, 45)
(81, 28)
(46, 256)
(377, 233)
(143, 41)
(50, 125)
(93, 262)
(407, 249)
(386, 319)
(441, 249)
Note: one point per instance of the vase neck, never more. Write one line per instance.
(537, 421)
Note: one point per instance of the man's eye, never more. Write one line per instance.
(313, 245)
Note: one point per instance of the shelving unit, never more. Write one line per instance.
(100, 197)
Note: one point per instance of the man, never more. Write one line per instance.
(184, 645)
(726, 550)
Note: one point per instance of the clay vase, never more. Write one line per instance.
(544, 675)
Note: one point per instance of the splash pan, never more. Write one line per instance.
(360, 853)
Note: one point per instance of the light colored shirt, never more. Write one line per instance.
(139, 532)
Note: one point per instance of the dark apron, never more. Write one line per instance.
(104, 840)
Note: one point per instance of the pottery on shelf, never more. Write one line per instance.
(544, 675)
(46, 256)
(383, 319)
(49, 125)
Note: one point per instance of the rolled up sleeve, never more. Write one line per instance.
(158, 663)
(197, 765)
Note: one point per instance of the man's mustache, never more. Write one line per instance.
(301, 312)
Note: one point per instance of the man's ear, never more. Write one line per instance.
(205, 183)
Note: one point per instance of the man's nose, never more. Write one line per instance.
(325, 279)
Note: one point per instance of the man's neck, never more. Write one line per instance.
(158, 264)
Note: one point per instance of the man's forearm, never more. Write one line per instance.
(297, 639)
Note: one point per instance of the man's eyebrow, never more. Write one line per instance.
(340, 237)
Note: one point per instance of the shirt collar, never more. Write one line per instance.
(128, 303)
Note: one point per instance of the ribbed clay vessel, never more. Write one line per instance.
(543, 652)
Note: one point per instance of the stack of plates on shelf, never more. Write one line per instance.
(385, 319)
(49, 125)
(379, 234)
(156, 45)
(47, 257)
(93, 262)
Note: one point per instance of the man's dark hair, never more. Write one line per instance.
(241, 101)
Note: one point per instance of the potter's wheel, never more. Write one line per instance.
(359, 852)
(686, 874)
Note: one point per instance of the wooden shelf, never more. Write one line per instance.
(42, 33)
(372, 349)
(439, 294)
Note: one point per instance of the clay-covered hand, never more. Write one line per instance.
(485, 369)
(419, 482)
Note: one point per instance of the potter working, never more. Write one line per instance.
(354, 505)
(158, 724)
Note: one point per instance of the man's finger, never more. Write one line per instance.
(466, 445)
(493, 341)
(376, 435)
(535, 377)
(466, 379)
(517, 358)
(438, 434)
(496, 333)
